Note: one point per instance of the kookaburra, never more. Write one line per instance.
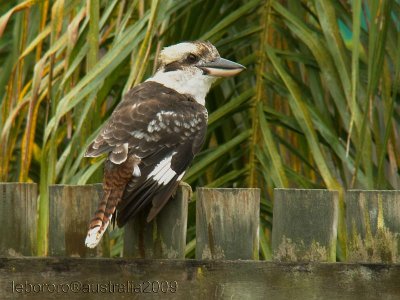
(154, 133)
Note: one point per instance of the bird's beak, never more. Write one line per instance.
(221, 67)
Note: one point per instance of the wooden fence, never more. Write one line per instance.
(304, 237)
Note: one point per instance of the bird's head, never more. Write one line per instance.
(194, 56)
(191, 68)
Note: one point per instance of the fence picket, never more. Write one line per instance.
(304, 225)
(71, 208)
(18, 230)
(373, 226)
(227, 223)
(165, 236)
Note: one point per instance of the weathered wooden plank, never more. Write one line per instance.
(227, 223)
(304, 225)
(165, 236)
(18, 230)
(71, 208)
(373, 226)
(77, 278)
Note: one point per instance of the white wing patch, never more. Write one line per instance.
(180, 176)
(163, 173)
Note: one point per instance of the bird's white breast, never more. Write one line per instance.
(189, 82)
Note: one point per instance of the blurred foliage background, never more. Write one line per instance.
(318, 106)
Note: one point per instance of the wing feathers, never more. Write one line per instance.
(162, 127)
(155, 186)
(163, 173)
(119, 154)
(162, 197)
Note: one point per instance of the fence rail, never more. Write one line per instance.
(93, 278)
(304, 236)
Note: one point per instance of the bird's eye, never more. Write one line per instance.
(191, 58)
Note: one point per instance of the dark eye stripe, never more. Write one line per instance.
(173, 66)
(177, 65)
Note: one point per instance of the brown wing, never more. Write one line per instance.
(161, 127)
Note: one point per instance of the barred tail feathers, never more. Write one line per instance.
(102, 217)
(116, 177)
